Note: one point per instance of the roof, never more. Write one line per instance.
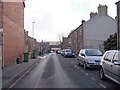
(113, 51)
(117, 2)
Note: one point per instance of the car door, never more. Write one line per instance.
(115, 68)
(107, 62)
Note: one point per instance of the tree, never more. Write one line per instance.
(60, 36)
(111, 42)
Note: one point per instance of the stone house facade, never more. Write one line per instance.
(75, 39)
(65, 42)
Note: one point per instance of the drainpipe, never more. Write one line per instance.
(2, 50)
(2, 34)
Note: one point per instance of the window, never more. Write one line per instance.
(109, 56)
(93, 53)
(117, 57)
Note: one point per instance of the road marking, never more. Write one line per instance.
(81, 70)
(86, 74)
(93, 78)
(75, 65)
(102, 85)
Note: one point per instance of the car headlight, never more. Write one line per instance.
(65, 53)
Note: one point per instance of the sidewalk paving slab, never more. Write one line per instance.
(11, 73)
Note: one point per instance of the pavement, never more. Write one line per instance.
(11, 73)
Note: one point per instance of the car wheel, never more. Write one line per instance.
(85, 66)
(79, 64)
(101, 74)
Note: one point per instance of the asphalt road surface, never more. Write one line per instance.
(55, 71)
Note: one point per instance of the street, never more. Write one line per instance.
(55, 71)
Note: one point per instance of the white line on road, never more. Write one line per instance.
(75, 65)
(93, 78)
(81, 70)
(102, 85)
(86, 74)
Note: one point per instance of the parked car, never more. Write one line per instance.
(58, 51)
(62, 52)
(89, 58)
(110, 66)
(68, 53)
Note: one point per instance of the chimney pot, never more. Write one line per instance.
(102, 10)
(93, 14)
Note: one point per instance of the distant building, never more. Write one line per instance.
(118, 24)
(54, 45)
(30, 44)
(13, 28)
(65, 43)
(44, 47)
(75, 38)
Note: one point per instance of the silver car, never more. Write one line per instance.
(89, 58)
(110, 66)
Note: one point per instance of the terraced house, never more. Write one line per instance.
(13, 28)
(92, 33)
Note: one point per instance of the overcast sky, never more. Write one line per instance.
(55, 18)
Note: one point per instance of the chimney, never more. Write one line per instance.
(116, 18)
(102, 10)
(93, 14)
(82, 21)
(26, 33)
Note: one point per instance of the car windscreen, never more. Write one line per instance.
(93, 53)
(68, 50)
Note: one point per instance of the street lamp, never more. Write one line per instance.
(33, 29)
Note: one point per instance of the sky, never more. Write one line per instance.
(56, 18)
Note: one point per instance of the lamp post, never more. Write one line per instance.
(33, 29)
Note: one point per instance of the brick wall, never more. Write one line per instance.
(1, 14)
(13, 26)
